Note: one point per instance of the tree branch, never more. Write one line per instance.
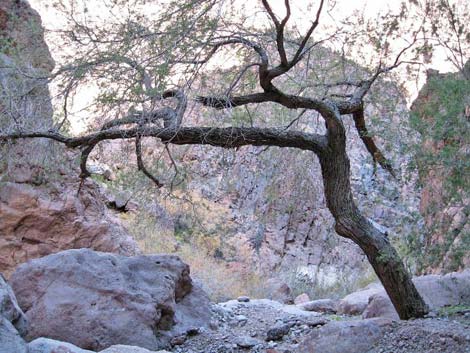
(228, 137)
(141, 164)
(377, 155)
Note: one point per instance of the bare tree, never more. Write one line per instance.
(135, 62)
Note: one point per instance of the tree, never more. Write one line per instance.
(139, 58)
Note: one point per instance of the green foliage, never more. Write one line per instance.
(442, 123)
(443, 154)
(452, 310)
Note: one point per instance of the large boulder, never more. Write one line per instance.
(445, 290)
(129, 349)
(95, 300)
(356, 302)
(279, 291)
(344, 337)
(437, 291)
(12, 320)
(380, 305)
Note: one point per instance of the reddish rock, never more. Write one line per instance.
(37, 223)
(41, 211)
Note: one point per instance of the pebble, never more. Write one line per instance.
(247, 342)
(178, 340)
(242, 319)
(277, 332)
(243, 299)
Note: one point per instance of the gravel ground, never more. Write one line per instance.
(432, 335)
(267, 326)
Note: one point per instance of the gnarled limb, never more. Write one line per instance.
(228, 137)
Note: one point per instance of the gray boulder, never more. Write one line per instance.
(320, 305)
(437, 291)
(10, 339)
(301, 299)
(9, 308)
(280, 291)
(12, 320)
(445, 290)
(47, 345)
(380, 305)
(95, 300)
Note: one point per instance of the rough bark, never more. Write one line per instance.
(351, 224)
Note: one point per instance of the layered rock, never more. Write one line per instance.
(44, 207)
(95, 300)
(37, 222)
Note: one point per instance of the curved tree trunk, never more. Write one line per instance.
(351, 224)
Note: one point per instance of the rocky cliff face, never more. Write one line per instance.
(263, 210)
(442, 112)
(41, 210)
(272, 205)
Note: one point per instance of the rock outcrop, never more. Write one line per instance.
(41, 210)
(95, 300)
(37, 222)
(266, 205)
